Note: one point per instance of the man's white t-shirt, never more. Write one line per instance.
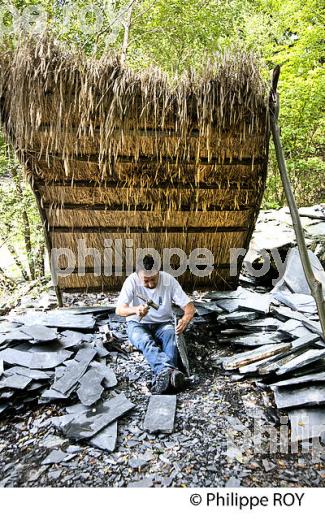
(168, 291)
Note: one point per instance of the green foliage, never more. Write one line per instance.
(178, 34)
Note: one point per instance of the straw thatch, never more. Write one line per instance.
(112, 153)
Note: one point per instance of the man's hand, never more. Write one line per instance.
(142, 310)
(181, 325)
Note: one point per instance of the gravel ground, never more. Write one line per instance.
(212, 444)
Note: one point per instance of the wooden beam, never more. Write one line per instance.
(163, 185)
(141, 207)
(160, 229)
(144, 159)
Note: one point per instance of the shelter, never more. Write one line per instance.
(114, 154)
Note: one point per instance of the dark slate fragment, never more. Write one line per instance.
(32, 374)
(73, 338)
(317, 377)
(109, 380)
(40, 333)
(258, 339)
(1, 367)
(238, 317)
(90, 389)
(263, 324)
(88, 424)
(37, 360)
(106, 439)
(298, 397)
(15, 381)
(160, 414)
(302, 360)
(53, 395)
(256, 302)
(14, 335)
(55, 457)
(294, 275)
(74, 371)
(58, 319)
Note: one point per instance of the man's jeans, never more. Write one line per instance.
(156, 341)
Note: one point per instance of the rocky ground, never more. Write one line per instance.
(212, 443)
(218, 437)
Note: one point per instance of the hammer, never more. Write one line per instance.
(150, 303)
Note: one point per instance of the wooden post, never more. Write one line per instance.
(314, 284)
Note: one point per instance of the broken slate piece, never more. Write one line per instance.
(106, 439)
(15, 381)
(318, 377)
(72, 338)
(55, 457)
(256, 302)
(308, 357)
(1, 367)
(90, 389)
(37, 360)
(160, 415)
(58, 319)
(14, 335)
(39, 333)
(255, 355)
(27, 372)
(87, 424)
(298, 397)
(109, 380)
(258, 338)
(75, 370)
(294, 275)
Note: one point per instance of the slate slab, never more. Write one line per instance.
(263, 324)
(257, 354)
(109, 377)
(256, 302)
(55, 457)
(258, 339)
(318, 377)
(302, 360)
(87, 424)
(14, 336)
(39, 333)
(74, 371)
(90, 389)
(106, 439)
(58, 319)
(160, 415)
(27, 372)
(37, 360)
(298, 397)
(15, 381)
(294, 275)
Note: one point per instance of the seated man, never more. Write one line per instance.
(153, 331)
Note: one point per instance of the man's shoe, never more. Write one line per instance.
(162, 381)
(177, 380)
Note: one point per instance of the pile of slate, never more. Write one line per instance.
(59, 357)
(286, 348)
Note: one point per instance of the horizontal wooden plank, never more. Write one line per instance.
(163, 185)
(211, 229)
(144, 159)
(139, 207)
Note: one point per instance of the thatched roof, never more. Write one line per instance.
(112, 153)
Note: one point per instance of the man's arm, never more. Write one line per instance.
(189, 311)
(125, 310)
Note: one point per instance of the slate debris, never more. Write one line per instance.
(160, 415)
